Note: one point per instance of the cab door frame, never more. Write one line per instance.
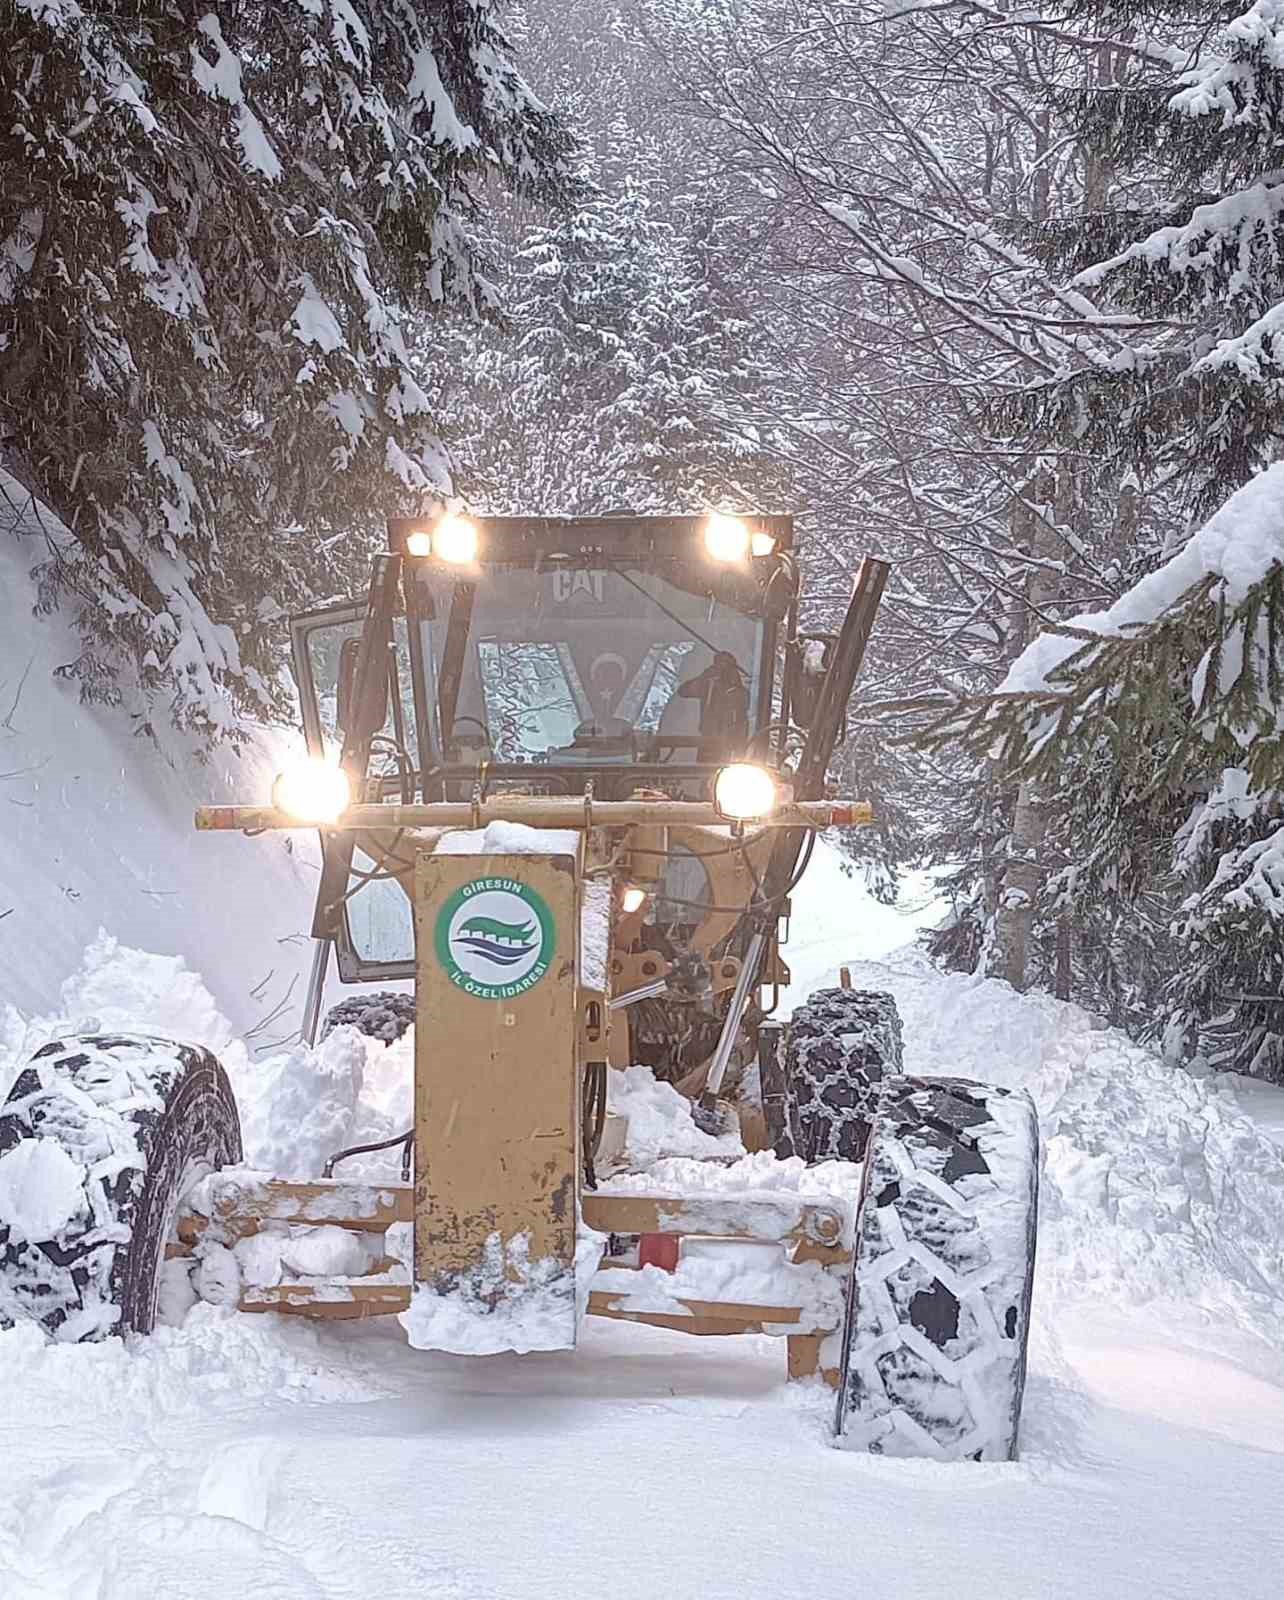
(330, 915)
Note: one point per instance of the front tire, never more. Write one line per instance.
(934, 1344)
(841, 1048)
(385, 1015)
(103, 1134)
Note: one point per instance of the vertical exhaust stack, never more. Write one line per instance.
(831, 710)
(840, 680)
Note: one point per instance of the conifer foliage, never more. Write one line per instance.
(1174, 697)
(1176, 694)
(215, 223)
(626, 375)
(1192, 245)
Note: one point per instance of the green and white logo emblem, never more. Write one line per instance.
(495, 938)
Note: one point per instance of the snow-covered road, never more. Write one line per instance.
(234, 1458)
(237, 1455)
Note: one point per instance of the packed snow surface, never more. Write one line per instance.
(236, 1454)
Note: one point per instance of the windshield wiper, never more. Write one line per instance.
(673, 616)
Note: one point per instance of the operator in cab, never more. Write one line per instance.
(724, 707)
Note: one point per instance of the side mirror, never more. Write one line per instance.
(361, 721)
(807, 661)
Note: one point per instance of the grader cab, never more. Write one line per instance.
(610, 660)
(567, 775)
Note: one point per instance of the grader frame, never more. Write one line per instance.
(497, 1134)
(499, 1069)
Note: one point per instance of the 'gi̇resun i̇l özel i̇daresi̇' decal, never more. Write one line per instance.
(495, 938)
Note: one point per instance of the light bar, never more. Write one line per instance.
(542, 811)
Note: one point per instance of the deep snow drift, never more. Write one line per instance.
(234, 1454)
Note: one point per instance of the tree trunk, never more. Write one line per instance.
(1014, 922)
(1033, 530)
(1065, 950)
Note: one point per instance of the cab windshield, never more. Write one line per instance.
(586, 665)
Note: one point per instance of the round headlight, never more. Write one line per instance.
(313, 791)
(455, 539)
(726, 538)
(419, 543)
(764, 544)
(743, 792)
(632, 899)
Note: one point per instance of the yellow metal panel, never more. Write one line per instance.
(496, 1101)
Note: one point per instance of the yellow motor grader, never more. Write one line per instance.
(567, 774)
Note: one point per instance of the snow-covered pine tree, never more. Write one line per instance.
(1174, 696)
(1177, 824)
(214, 224)
(1192, 244)
(626, 374)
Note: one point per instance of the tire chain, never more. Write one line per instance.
(840, 1049)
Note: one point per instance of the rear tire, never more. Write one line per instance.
(938, 1318)
(113, 1129)
(386, 1015)
(840, 1049)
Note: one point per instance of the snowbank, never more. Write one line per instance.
(1156, 1185)
(97, 830)
(297, 1106)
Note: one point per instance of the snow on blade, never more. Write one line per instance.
(741, 1273)
(507, 1303)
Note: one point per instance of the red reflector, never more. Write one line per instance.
(659, 1250)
